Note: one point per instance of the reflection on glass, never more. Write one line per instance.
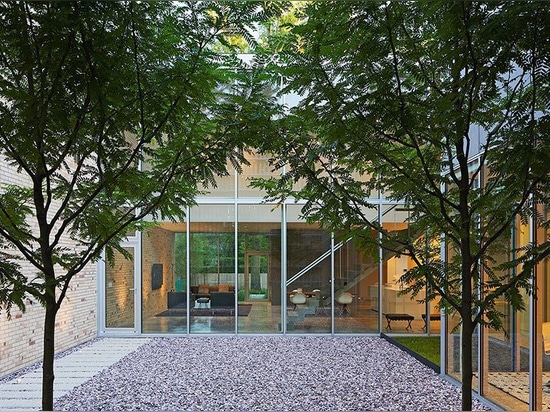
(164, 287)
(256, 275)
(180, 262)
(258, 167)
(308, 285)
(259, 273)
(453, 349)
(212, 269)
(225, 185)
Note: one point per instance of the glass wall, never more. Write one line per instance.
(542, 317)
(212, 279)
(308, 286)
(225, 185)
(506, 362)
(259, 167)
(355, 289)
(453, 338)
(224, 272)
(259, 269)
(331, 285)
(401, 313)
(164, 279)
(506, 352)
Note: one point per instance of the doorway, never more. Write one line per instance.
(257, 283)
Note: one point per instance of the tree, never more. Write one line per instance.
(401, 92)
(112, 111)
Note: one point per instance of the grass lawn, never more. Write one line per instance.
(427, 346)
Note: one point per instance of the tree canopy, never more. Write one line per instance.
(110, 112)
(442, 106)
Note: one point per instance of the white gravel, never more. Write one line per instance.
(266, 374)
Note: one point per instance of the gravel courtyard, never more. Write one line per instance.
(266, 374)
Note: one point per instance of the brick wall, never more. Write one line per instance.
(21, 338)
(157, 247)
(119, 292)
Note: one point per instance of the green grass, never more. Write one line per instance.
(427, 347)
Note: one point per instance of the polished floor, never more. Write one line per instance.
(265, 318)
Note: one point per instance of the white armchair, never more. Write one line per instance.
(344, 300)
(298, 298)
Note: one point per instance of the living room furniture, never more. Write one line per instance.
(399, 317)
(222, 299)
(177, 299)
(299, 298)
(222, 295)
(433, 317)
(202, 301)
(344, 300)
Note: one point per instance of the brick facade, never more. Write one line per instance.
(119, 292)
(21, 338)
(157, 247)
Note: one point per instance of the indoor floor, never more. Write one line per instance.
(264, 318)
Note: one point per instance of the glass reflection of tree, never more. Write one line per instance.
(254, 272)
(256, 263)
(180, 261)
(212, 253)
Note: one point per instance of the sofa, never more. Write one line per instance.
(222, 299)
(222, 295)
(177, 299)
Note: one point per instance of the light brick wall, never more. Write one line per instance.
(157, 247)
(119, 293)
(21, 338)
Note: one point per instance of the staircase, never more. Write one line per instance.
(298, 315)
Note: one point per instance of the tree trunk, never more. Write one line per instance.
(48, 355)
(467, 327)
(467, 363)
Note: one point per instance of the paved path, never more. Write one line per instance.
(24, 392)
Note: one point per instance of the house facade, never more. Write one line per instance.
(240, 266)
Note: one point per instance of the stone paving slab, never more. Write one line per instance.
(25, 392)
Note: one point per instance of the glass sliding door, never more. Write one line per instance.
(356, 289)
(212, 269)
(506, 352)
(356, 280)
(308, 285)
(259, 269)
(164, 279)
(401, 313)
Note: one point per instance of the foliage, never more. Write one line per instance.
(113, 114)
(443, 105)
(212, 252)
